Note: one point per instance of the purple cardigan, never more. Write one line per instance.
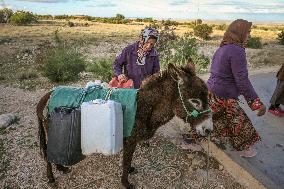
(229, 74)
(126, 63)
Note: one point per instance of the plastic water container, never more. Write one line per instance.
(101, 127)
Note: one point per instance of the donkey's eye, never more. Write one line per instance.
(196, 103)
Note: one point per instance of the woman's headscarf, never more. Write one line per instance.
(145, 35)
(236, 33)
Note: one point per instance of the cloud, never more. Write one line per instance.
(105, 5)
(45, 1)
(178, 2)
(257, 7)
(4, 5)
(51, 1)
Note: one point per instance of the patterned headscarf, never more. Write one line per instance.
(236, 33)
(145, 35)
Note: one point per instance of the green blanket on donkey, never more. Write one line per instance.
(74, 97)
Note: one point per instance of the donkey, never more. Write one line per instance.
(176, 91)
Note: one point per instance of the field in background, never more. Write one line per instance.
(20, 44)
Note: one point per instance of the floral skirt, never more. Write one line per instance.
(231, 122)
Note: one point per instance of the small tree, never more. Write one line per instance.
(63, 62)
(280, 37)
(203, 31)
(120, 17)
(22, 18)
(102, 68)
(70, 24)
(198, 21)
(5, 15)
(254, 43)
(221, 27)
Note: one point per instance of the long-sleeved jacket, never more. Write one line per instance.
(229, 74)
(280, 74)
(126, 63)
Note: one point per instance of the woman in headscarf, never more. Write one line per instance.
(278, 95)
(138, 60)
(228, 80)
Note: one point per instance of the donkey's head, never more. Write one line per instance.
(191, 103)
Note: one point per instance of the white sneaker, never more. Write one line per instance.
(190, 146)
(247, 153)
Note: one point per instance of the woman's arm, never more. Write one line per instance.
(156, 66)
(119, 61)
(240, 72)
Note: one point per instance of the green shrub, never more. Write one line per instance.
(280, 37)
(113, 20)
(166, 35)
(147, 19)
(203, 31)
(102, 69)
(178, 50)
(254, 43)
(60, 17)
(44, 17)
(70, 24)
(30, 74)
(139, 20)
(5, 15)
(168, 23)
(4, 40)
(153, 25)
(221, 27)
(63, 62)
(120, 16)
(22, 18)
(198, 21)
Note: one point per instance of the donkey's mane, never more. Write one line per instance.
(159, 77)
(155, 79)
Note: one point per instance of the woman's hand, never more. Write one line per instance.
(261, 110)
(122, 78)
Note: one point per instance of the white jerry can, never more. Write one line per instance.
(101, 127)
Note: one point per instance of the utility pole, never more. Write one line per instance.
(197, 9)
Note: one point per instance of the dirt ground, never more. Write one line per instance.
(161, 165)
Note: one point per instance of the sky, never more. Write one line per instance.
(252, 10)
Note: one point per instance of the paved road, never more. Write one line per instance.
(268, 165)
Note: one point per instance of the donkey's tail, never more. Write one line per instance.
(41, 119)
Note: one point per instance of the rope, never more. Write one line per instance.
(187, 112)
(207, 167)
(109, 93)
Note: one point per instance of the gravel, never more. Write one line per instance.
(161, 165)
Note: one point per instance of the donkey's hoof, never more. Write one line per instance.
(66, 170)
(52, 183)
(132, 170)
(145, 144)
(130, 186)
(63, 169)
(51, 180)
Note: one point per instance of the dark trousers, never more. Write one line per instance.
(278, 95)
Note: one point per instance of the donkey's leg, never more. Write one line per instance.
(63, 169)
(129, 146)
(49, 173)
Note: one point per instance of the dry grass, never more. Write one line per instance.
(100, 40)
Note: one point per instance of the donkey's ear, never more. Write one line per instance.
(176, 72)
(189, 67)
